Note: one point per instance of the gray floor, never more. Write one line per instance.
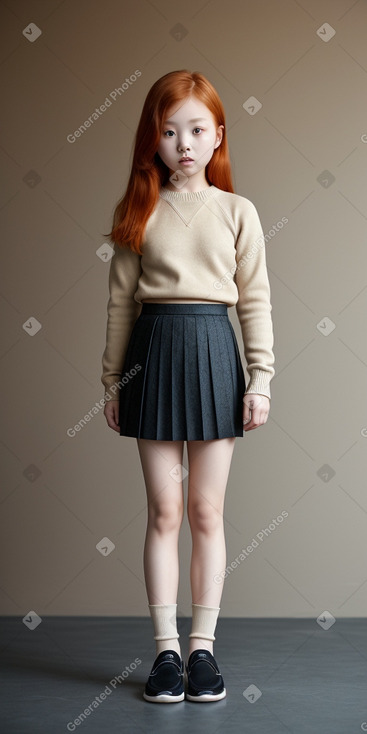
(311, 680)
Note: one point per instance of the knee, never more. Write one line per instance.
(204, 517)
(166, 516)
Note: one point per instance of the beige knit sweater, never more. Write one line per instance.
(206, 245)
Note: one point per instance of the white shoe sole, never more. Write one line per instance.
(164, 698)
(206, 697)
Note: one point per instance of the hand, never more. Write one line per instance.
(111, 411)
(255, 410)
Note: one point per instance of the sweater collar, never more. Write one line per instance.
(177, 196)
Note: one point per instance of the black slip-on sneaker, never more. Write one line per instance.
(166, 680)
(204, 680)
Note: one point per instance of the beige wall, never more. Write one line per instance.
(61, 495)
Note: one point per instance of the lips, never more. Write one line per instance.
(185, 159)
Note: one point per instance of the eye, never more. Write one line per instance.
(166, 132)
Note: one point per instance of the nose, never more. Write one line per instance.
(182, 145)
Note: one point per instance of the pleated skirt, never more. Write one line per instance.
(182, 377)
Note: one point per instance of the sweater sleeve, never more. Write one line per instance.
(253, 306)
(122, 311)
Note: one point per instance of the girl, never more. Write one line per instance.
(186, 248)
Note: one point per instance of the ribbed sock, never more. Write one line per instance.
(165, 627)
(204, 620)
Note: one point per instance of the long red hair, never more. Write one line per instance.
(148, 172)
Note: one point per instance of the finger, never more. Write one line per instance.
(258, 419)
(246, 413)
(116, 413)
(255, 420)
(114, 421)
(112, 417)
(247, 426)
(113, 425)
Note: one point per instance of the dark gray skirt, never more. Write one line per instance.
(182, 377)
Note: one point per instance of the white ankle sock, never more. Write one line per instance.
(165, 627)
(204, 620)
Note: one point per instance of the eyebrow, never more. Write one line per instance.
(196, 119)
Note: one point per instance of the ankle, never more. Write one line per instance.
(165, 627)
(162, 645)
(199, 643)
(204, 620)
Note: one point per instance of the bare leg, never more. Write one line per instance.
(165, 515)
(209, 465)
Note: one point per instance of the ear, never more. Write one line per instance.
(220, 131)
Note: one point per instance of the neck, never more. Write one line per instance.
(192, 185)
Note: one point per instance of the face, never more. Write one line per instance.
(190, 132)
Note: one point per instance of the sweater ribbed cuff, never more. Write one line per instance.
(259, 383)
(112, 392)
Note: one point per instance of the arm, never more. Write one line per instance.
(122, 310)
(253, 306)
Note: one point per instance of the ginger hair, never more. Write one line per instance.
(148, 172)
